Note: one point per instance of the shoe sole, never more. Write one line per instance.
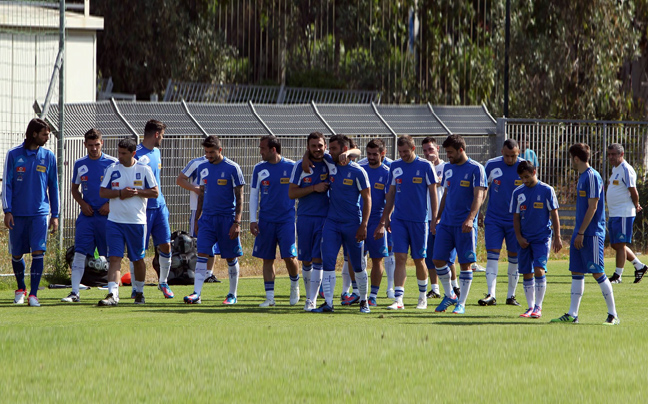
(483, 303)
(421, 307)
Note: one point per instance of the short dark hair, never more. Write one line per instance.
(316, 135)
(92, 134)
(34, 126)
(343, 140)
(580, 150)
(212, 141)
(511, 144)
(273, 141)
(618, 147)
(152, 127)
(405, 140)
(525, 165)
(127, 143)
(429, 139)
(376, 144)
(455, 141)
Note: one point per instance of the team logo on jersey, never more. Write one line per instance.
(222, 175)
(332, 178)
(349, 175)
(137, 183)
(114, 184)
(284, 180)
(621, 237)
(20, 169)
(497, 182)
(466, 177)
(418, 172)
(222, 182)
(145, 159)
(84, 178)
(20, 160)
(497, 172)
(582, 193)
(518, 182)
(265, 183)
(41, 169)
(42, 161)
(417, 180)
(347, 181)
(138, 176)
(380, 178)
(615, 182)
(285, 173)
(308, 180)
(522, 208)
(323, 177)
(538, 205)
(379, 186)
(470, 256)
(19, 178)
(465, 184)
(83, 169)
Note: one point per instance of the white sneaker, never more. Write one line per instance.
(396, 306)
(33, 301)
(477, 268)
(390, 294)
(309, 305)
(294, 295)
(20, 296)
(268, 303)
(422, 303)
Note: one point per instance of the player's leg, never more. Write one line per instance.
(265, 247)
(577, 267)
(230, 251)
(38, 245)
(268, 282)
(356, 254)
(288, 250)
(116, 239)
(401, 248)
(18, 246)
(304, 250)
(444, 244)
(512, 248)
(161, 232)
(390, 265)
(331, 243)
(429, 263)
(204, 245)
(540, 253)
(84, 241)
(135, 246)
(595, 246)
(377, 250)
(419, 233)
(466, 253)
(494, 236)
(525, 267)
(618, 244)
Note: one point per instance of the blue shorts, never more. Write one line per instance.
(589, 259)
(157, 225)
(29, 234)
(130, 235)
(495, 232)
(376, 248)
(90, 233)
(309, 237)
(192, 232)
(336, 234)
(271, 234)
(620, 229)
(215, 229)
(412, 235)
(429, 261)
(451, 237)
(535, 255)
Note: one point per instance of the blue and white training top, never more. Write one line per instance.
(139, 176)
(271, 181)
(219, 181)
(89, 174)
(315, 203)
(590, 185)
(411, 181)
(534, 205)
(379, 183)
(502, 180)
(30, 183)
(191, 171)
(618, 199)
(461, 181)
(152, 159)
(346, 184)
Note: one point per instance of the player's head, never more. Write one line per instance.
(406, 147)
(37, 133)
(527, 173)
(524, 142)
(154, 129)
(580, 154)
(430, 149)
(375, 152)
(615, 154)
(510, 151)
(126, 151)
(213, 148)
(337, 145)
(316, 146)
(455, 148)
(93, 143)
(269, 147)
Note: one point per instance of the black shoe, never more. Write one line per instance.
(512, 302)
(433, 295)
(639, 273)
(108, 301)
(139, 298)
(457, 292)
(615, 278)
(212, 279)
(489, 300)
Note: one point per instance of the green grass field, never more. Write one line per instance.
(167, 351)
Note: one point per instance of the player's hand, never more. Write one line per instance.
(235, 231)
(196, 189)
(53, 224)
(86, 209)
(128, 193)
(433, 228)
(254, 228)
(343, 159)
(379, 232)
(8, 221)
(196, 227)
(480, 220)
(361, 234)
(467, 226)
(578, 241)
(523, 242)
(105, 209)
(639, 208)
(321, 187)
(306, 163)
(557, 244)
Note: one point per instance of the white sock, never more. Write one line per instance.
(315, 281)
(399, 292)
(577, 289)
(78, 267)
(200, 275)
(422, 284)
(328, 284)
(491, 276)
(619, 271)
(637, 264)
(435, 287)
(269, 290)
(165, 266)
(390, 267)
(346, 278)
(529, 292)
(132, 273)
(465, 277)
(364, 261)
(306, 275)
(540, 289)
(233, 269)
(513, 277)
(608, 294)
(444, 278)
(113, 288)
(361, 281)
(139, 286)
(209, 273)
(454, 282)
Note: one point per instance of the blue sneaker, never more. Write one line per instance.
(133, 293)
(166, 290)
(344, 296)
(321, 292)
(445, 303)
(324, 308)
(459, 309)
(230, 299)
(351, 299)
(372, 302)
(364, 307)
(193, 298)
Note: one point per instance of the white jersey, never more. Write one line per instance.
(191, 171)
(438, 170)
(618, 199)
(138, 176)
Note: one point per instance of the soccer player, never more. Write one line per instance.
(188, 179)
(623, 205)
(220, 206)
(29, 195)
(157, 213)
(535, 208)
(378, 175)
(127, 184)
(464, 182)
(502, 179)
(345, 224)
(90, 227)
(586, 247)
(276, 217)
(411, 180)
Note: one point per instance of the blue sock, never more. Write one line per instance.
(36, 272)
(19, 271)
(294, 278)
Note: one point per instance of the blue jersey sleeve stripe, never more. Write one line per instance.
(6, 183)
(52, 188)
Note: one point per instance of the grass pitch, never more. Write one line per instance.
(166, 351)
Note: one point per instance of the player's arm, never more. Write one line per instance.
(592, 204)
(86, 209)
(557, 238)
(482, 211)
(53, 192)
(151, 193)
(442, 204)
(184, 182)
(478, 197)
(384, 220)
(345, 157)
(254, 206)
(634, 195)
(7, 191)
(361, 234)
(235, 230)
(434, 205)
(517, 226)
(201, 198)
(109, 193)
(306, 163)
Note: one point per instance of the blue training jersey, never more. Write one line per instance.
(30, 183)
(344, 193)
(271, 181)
(89, 174)
(502, 179)
(534, 205)
(460, 182)
(411, 181)
(315, 203)
(152, 159)
(590, 185)
(379, 183)
(219, 181)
